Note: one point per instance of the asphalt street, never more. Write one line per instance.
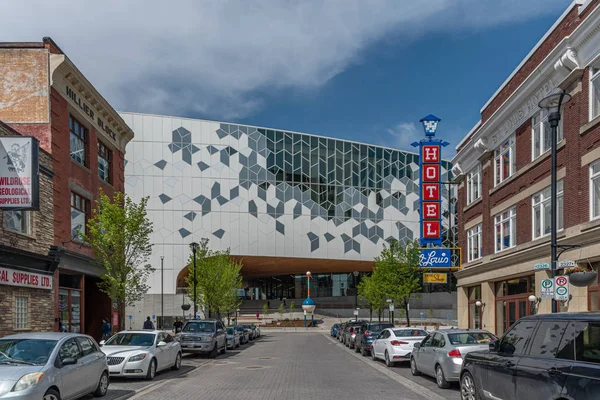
(285, 366)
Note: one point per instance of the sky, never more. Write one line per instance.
(362, 70)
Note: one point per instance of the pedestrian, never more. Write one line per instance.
(177, 325)
(258, 315)
(106, 329)
(148, 324)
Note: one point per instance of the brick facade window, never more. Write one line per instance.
(542, 212)
(474, 184)
(541, 139)
(595, 190)
(18, 221)
(80, 208)
(21, 316)
(474, 243)
(505, 232)
(504, 160)
(79, 136)
(104, 158)
(594, 92)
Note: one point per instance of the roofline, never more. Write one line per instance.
(22, 45)
(267, 128)
(468, 135)
(533, 50)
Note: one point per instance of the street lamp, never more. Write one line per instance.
(355, 273)
(552, 105)
(534, 302)
(162, 278)
(194, 246)
(430, 124)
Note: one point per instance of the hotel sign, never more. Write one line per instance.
(13, 277)
(19, 173)
(94, 116)
(435, 258)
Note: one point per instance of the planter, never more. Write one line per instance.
(582, 279)
(185, 307)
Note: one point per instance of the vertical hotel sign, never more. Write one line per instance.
(430, 163)
(19, 175)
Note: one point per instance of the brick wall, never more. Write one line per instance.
(41, 309)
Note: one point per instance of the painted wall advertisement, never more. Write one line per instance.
(19, 173)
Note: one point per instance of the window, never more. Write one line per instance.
(515, 340)
(87, 347)
(504, 161)
(21, 320)
(474, 243)
(78, 141)
(505, 229)
(17, 221)
(80, 208)
(474, 184)
(542, 211)
(581, 342)
(104, 157)
(594, 92)
(69, 350)
(427, 341)
(541, 140)
(547, 338)
(595, 190)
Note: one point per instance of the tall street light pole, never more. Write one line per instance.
(552, 105)
(162, 309)
(356, 294)
(194, 246)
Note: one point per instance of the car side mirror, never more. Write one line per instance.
(220, 331)
(68, 361)
(417, 345)
(161, 344)
(102, 342)
(494, 346)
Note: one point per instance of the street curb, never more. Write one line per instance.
(411, 385)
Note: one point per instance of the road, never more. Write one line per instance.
(285, 366)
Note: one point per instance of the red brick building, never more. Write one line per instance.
(504, 167)
(46, 96)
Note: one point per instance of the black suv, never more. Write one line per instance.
(551, 356)
(203, 337)
(367, 334)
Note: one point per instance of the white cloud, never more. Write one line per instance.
(402, 135)
(220, 57)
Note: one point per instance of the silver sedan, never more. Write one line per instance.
(442, 352)
(51, 366)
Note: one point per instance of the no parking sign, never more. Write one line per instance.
(562, 288)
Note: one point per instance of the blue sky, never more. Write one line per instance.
(364, 70)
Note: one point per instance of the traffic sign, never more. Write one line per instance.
(547, 291)
(541, 266)
(355, 312)
(391, 307)
(562, 288)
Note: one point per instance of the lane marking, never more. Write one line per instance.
(411, 385)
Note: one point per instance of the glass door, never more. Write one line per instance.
(69, 310)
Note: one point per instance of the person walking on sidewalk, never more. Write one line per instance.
(106, 329)
(177, 325)
(148, 324)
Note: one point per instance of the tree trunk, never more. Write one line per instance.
(121, 316)
(406, 311)
(370, 314)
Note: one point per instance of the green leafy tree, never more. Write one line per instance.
(292, 306)
(218, 278)
(371, 291)
(281, 310)
(265, 309)
(119, 234)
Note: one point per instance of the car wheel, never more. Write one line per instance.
(388, 363)
(102, 387)
(151, 370)
(224, 349)
(373, 355)
(215, 351)
(177, 364)
(468, 391)
(356, 349)
(51, 394)
(413, 367)
(440, 378)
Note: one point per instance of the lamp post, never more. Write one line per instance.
(308, 305)
(535, 301)
(194, 246)
(162, 309)
(552, 105)
(355, 273)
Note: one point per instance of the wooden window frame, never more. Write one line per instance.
(105, 153)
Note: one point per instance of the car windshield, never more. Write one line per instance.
(470, 338)
(27, 351)
(379, 327)
(131, 339)
(409, 332)
(206, 327)
(230, 331)
(239, 328)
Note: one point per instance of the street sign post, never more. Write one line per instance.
(562, 288)
(547, 289)
(566, 264)
(391, 307)
(541, 266)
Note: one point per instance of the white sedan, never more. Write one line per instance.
(396, 344)
(141, 353)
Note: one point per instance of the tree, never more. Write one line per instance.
(371, 290)
(218, 278)
(292, 307)
(265, 309)
(119, 234)
(281, 310)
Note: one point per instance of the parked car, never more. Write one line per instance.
(334, 329)
(340, 331)
(51, 366)
(203, 337)
(348, 330)
(257, 330)
(396, 344)
(244, 334)
(233, 338)
(351, 339)
(441, 353)
(141, 354)
(547, 356)
(367, 334)
(250, 330)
